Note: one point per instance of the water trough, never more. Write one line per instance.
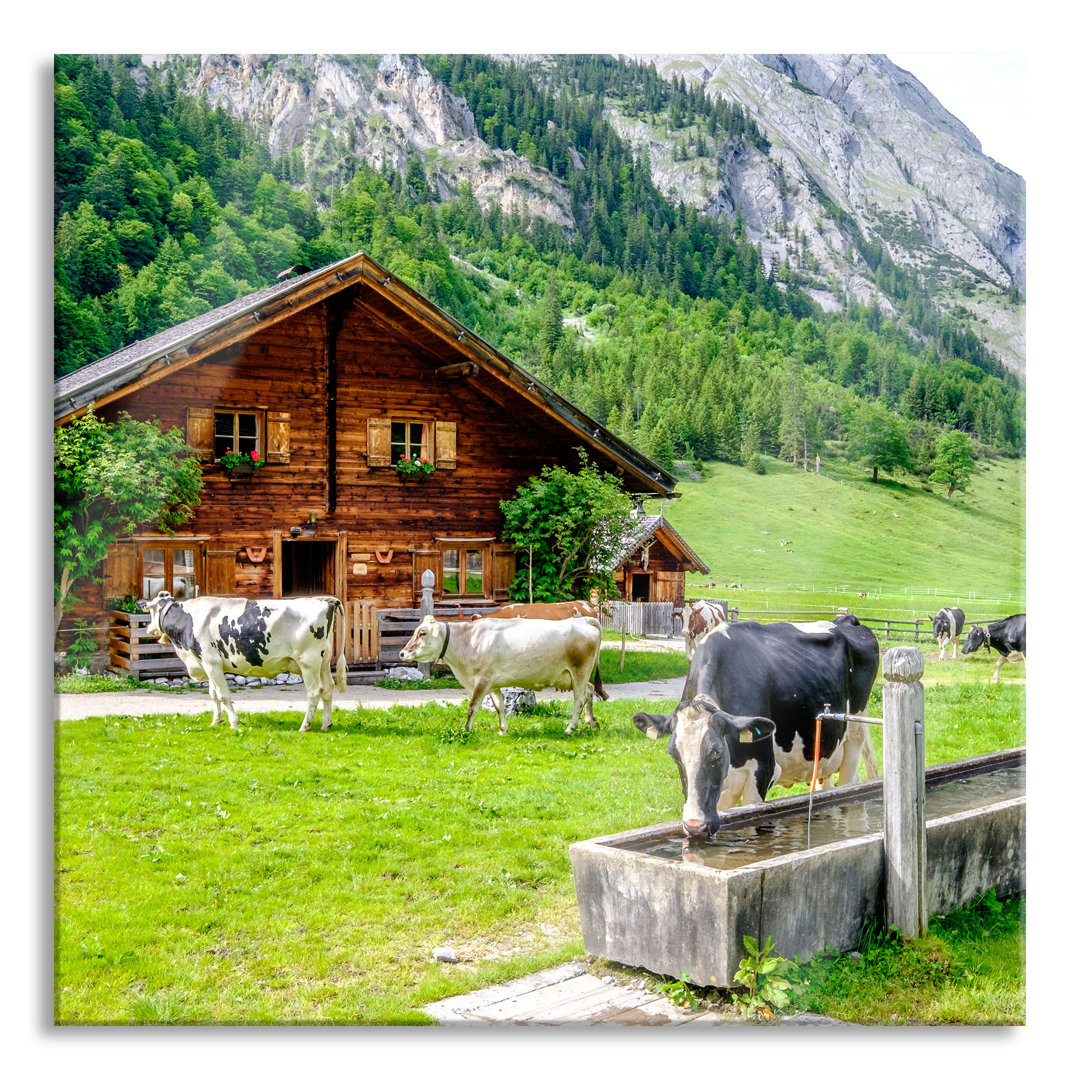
(646, 902)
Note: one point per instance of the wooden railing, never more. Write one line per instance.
(133, 652)
(886, 629)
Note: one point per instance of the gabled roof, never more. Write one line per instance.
(122, 372)
(648, 525)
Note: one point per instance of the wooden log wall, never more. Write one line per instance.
(381, 369)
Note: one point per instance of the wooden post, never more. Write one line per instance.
(427, 607)
(904, 823)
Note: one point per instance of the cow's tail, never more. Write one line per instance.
(342, 667)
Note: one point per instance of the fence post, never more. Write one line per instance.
(904, 782)
(427, 607)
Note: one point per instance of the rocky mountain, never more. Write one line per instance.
(859, 161)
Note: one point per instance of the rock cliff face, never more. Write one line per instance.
(862, 136)
(338, 110)
(859, 150)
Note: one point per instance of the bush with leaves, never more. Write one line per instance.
(108, 480)
(568, 528)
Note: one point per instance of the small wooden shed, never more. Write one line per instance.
(653, 562)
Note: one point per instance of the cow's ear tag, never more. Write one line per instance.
(652, 732)
(746, 735)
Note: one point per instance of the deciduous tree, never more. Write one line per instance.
(953, 462)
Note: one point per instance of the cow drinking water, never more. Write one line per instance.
(214, 635)
(748, 679)
(948, 626)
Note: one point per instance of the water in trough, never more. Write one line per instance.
(782, 834)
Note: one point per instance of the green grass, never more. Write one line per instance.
(910, 549)
(211, 876)
(968, 969)
(96, 684)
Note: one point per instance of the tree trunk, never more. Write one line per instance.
(61, 600)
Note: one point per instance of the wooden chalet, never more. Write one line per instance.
(332, 376)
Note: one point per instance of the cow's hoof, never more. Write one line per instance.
(570, 730)
(214, 723)
(327, 727)
(305, 727)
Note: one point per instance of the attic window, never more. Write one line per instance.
(408, 439)
(212, 432)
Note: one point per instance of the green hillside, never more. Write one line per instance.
(897, 542)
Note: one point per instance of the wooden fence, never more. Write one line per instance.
(886, 629)
(369, 636)
(133, 652)
(638, 617)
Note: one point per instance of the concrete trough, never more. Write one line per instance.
(677, 916)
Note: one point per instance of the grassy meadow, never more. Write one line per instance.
(909, 549)
(261, 876)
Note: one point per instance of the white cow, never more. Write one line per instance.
(489, 654)
(215, 634)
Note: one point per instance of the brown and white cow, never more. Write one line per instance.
(701, 617)
(214, 635)
(565, 609)
(488, 654)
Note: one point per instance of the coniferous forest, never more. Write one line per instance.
(661, 322)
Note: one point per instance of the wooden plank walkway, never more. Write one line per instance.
(566, 994)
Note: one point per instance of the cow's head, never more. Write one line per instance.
(428, 642)
(157, 608)
(701, 737)
(976, 639)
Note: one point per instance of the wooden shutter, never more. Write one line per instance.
(503, 569)
(200, 432)
(277, 437)
(445, 444)
(378, 441)
(428, 559)
(219, 573)
(121, 572)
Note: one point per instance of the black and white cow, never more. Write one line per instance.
(1008, 637)
(216, 634)
(948, 626)
(751, 680)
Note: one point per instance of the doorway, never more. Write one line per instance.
(641, 588)
(307, 567)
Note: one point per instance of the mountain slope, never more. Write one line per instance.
(866, 189)
(860, 146)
